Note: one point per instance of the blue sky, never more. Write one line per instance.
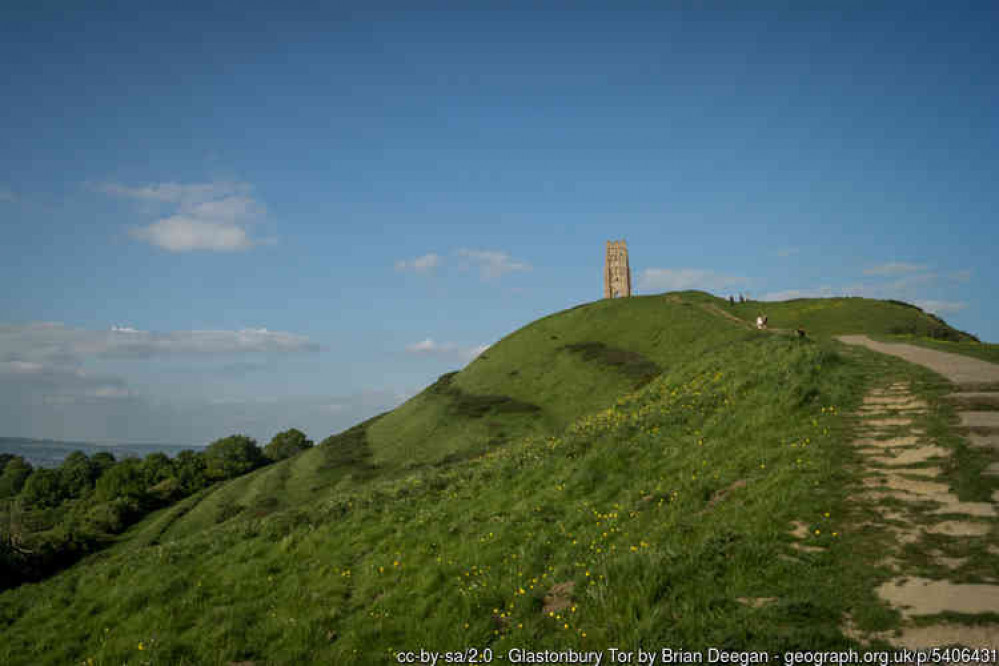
(242, 217)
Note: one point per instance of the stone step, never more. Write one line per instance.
(974, 400)
(980, 422)
(984, 441)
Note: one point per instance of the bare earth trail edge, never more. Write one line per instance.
(910, 499)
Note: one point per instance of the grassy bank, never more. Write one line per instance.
(648, 519)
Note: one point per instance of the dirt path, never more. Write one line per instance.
(962, 370)
(934, 531)
(714, 309)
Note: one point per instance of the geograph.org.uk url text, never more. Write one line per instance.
(667, 655)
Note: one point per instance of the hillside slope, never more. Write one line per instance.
(535, 381)
(616, 474)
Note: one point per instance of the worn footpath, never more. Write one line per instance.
(943, 598)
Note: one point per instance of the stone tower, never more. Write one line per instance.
(617, 273)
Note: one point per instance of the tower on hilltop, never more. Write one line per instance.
(617, 273)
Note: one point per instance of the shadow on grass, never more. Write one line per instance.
(474, 406)
(632, 364)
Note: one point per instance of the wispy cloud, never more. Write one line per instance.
(909, 281)
(896, 289)
(787, 251)
(492, 264)
(960, 276)
(54, 343)
(446, 350)
(7, 195)
(791, 294)
(426, 263)
(52, 364)
(203, 216)
(941, 307)
(894, 268)
(674, 279)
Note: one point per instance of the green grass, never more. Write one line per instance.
(826, 317)
(540, 378)
(444, 523)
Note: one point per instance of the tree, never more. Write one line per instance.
(232, 456)
(78, 474)
(102, 462)
(15, 473)
(190, 470)
(43, 488)
(286, 444)
(125, 480)
(157, 467)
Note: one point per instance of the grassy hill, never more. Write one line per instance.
(615, 475)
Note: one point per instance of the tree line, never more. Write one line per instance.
(51, 517)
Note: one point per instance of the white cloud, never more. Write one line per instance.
(492, 263)
(422, 264)
(941, 307)
(675, 279)
(182, 234)
(787, 251)
(213, 217)
(447, 350)
(7, 195)
(426, 345)
(894, 268)
(475, 352)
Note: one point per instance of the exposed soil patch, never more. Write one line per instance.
(724, 492)
(559, 597)
(756, 602)
(800, 531)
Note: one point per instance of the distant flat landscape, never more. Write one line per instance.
(51, 452)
